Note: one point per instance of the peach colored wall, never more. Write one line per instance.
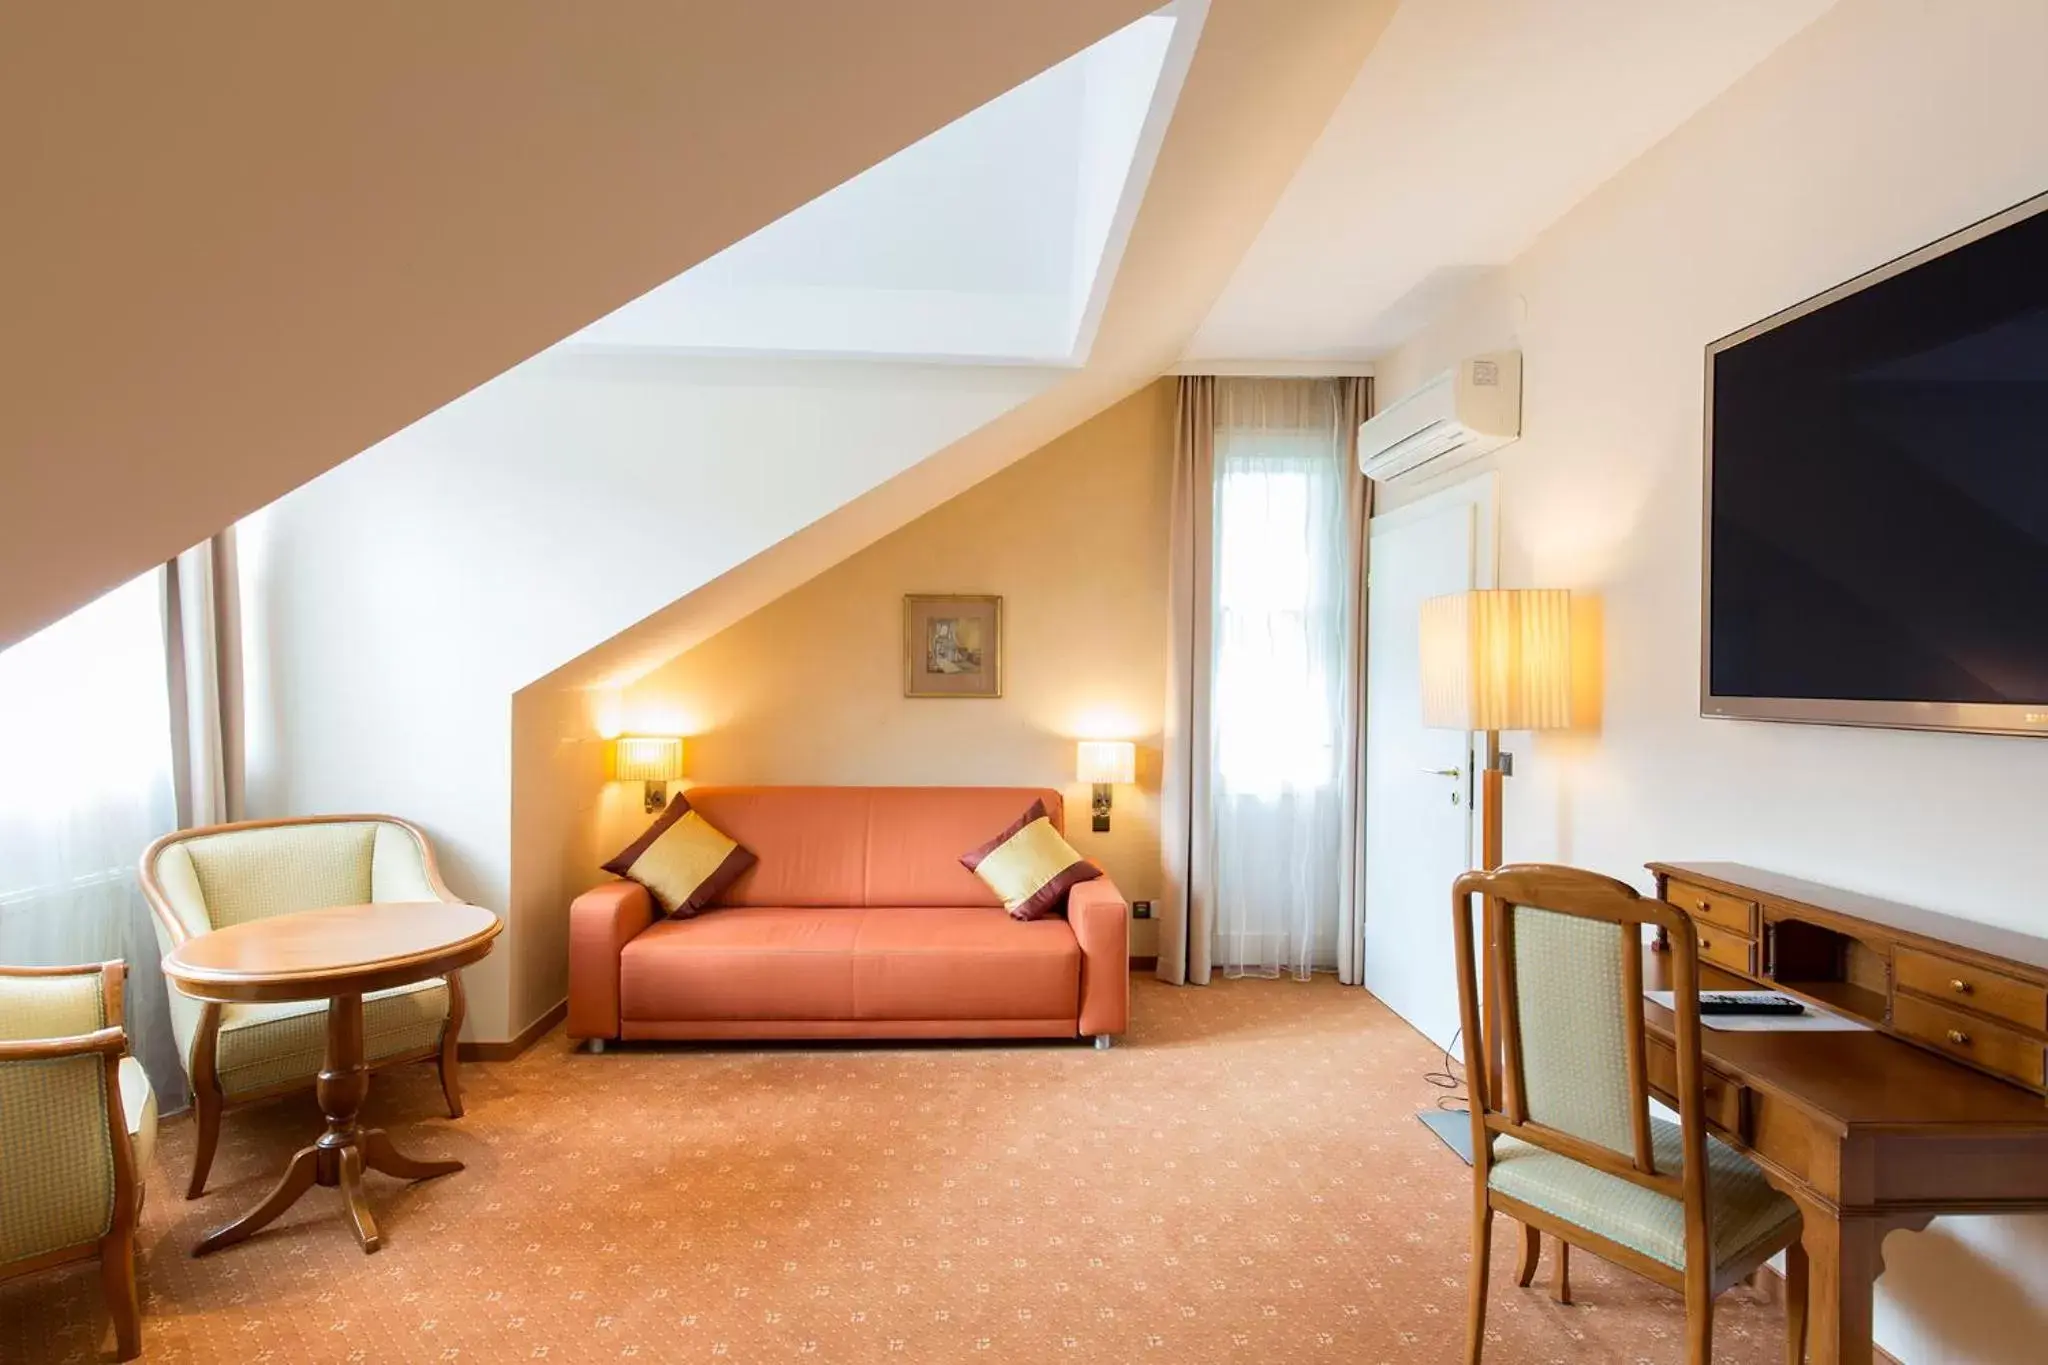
(1073, 536)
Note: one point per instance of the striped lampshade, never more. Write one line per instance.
(1106, 760)
(1499, 659)
(647, 758)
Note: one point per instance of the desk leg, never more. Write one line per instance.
(1842, 1268)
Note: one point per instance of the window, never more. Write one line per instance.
(85, 784)
(1275, 679)
(1282, 674)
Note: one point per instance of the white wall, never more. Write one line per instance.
(408, 594)
(1885, 125)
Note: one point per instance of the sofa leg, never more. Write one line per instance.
(1102, 1042)
(597, 1044)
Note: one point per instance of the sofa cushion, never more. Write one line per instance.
(758, 963)
(1030, 866)
(683, 860)
(742, 962)
(861, 846)
(972, 962)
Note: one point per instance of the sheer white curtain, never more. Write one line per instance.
(85, 784)
(1282, 729)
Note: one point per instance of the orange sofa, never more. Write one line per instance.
(857, 922)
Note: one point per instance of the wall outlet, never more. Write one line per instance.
(1141, 909)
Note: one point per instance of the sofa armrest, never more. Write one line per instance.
(601, 922)
(1101, 919)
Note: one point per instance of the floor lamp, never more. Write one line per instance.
(1494, 660)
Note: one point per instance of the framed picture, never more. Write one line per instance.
(952, 646)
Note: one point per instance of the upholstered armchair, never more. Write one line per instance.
(77, 1126)
(201, 880)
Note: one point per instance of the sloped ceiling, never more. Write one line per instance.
(1263, 82)
(1474, 125)
(246, 241)
(982, 242)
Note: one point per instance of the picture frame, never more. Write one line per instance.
(952, 645)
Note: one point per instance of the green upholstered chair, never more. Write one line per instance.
(77, 1128)
(1569, 1145)
(200, 880)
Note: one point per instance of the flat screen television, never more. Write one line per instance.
(1877, 495)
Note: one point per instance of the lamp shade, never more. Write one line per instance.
(647, 758)
(1500, 659)
(1106, 760)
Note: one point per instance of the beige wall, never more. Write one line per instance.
(810, 687)
(1886, 125)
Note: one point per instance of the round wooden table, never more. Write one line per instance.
(336, 954)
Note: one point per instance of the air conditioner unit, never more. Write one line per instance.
(1459, 415)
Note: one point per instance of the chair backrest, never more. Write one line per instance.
(1563, 981)
(199, 880)
(829, 847)
(63, 1149)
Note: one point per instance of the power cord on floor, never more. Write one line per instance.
(1449, 1080)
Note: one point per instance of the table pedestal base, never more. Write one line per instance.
(344, 1151)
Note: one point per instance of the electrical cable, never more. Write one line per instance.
(1448, 1079)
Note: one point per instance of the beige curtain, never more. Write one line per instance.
(1186, 915)
(203, 667)
(1187, 830)
(1354, 401)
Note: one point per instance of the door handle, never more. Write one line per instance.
(1444, 772)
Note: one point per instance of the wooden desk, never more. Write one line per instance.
(1867, 1133)
(337, 954)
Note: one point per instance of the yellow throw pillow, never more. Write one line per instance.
(1030, 866)
(682, 860)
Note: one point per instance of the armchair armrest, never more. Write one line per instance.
(601, 922)
(1101, 920)
(101, 1041)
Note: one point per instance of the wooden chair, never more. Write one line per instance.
(1571, 1148)
(77, 1126)
(199, 880)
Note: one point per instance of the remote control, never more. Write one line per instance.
(1732, 1002)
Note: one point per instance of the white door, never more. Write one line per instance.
(1418, 781)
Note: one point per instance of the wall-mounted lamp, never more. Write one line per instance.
(1102, 762)
(656, 760)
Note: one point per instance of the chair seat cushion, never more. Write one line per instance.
(1743, 1211)
(138, 1106)
(265, 1045)
(758, 963)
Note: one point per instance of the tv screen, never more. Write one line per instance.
(1877, 495)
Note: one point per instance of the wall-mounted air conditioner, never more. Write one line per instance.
(1459, 415)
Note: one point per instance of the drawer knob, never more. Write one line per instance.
(1959, 986)
(1705, 942)
(1958, 1037)
(1704, 907)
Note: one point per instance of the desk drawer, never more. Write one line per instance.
(1711, 907)
(1996, 1049)
(1724, 949)
(1725, 1101)
(1972, 988)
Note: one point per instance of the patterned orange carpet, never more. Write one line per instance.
(1243, 1179)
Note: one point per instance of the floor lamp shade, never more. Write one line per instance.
(1498, 659)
